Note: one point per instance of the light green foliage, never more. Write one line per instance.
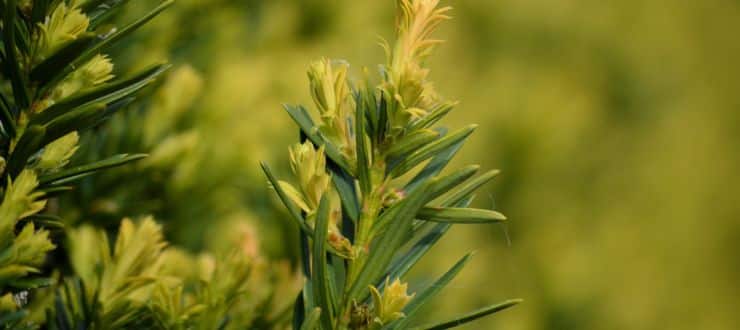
(116, 283)
(95, 72)
(389, 305)
(63, 25)
(22, 253)
(407, 91)
(231, 286)
(309, 166)
(331, 95)
(385, 164)
(178, 183)
(19, 201)
(57, 154)
(56, 84)
(144, 283)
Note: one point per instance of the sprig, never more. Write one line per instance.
(384, 158)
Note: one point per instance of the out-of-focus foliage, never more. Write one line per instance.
(57, 95)
(615, 126)
(208, 143)
(142, 283)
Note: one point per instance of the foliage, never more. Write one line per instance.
(56, 85)
(58, 89)
(143, 283)
(361, 200)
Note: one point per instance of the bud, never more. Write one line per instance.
(309, 166)
(329, 87)
(19, 201)
(331, 94)
(58, 153)
(406, 82)
(389, 306)
(31, 246)
(96, 71)
(64, 24)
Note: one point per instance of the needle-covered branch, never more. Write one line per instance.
(384, 138)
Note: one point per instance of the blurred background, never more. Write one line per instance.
(616, 125)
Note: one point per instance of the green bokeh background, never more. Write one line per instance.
(616, 125)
